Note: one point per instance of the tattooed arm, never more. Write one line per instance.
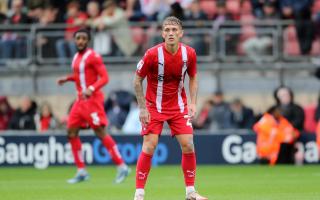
(144, 115)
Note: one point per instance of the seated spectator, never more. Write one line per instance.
(45, 120)
(13, 45)
(66, 47)
(272, 131)
(6, 113)
(261, 45)
(230, 40)
(219, 116)
(117, 107)
(201, 122)
(23, 117)
(198, 41)
(113, 19)
(242, 117)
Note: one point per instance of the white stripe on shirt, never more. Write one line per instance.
(82, 71)
(184, 68)
(160, 79)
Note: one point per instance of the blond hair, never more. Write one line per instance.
(172, 20)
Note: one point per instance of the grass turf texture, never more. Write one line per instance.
(165, 183)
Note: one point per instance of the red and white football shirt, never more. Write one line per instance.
(89, 70)
(165, 74)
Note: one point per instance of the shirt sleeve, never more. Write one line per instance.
(71, 77)
(192, 63)
(101, 69)
(144, 65)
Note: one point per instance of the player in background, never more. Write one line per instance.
(165, 66)
(89, 75)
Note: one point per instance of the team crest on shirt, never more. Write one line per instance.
(140, 64)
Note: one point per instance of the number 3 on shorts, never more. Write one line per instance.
(188, 120)
(95, 118)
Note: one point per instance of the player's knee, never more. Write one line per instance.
(187, 147)
(71, 133)
(149, 147)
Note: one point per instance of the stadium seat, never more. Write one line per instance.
(208, 7)
(290, 42)
(315, 47)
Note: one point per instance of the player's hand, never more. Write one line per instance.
(87, 93)
(192, 110)
(144, 116)
(62, 80)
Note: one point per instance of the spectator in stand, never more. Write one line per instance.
(23, 117)
(201, 122)
(132, 124)
(300, 11)
(75, 20)
(93, 11)
(114, 20)
(261, 45)
(258, 7)
(194, 13)
(222, 15)
(117, 107)
(284, 97)
(272, 131)
(45, 119)
(3, 11)
(133, 11)
(14, 45)
(242, 117)
(295, 115)
(219, 116)
(6, 113)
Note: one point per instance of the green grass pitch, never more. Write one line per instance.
(164, 183)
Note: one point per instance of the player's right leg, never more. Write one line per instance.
(149, 145)
(107, 141)
(76, 146)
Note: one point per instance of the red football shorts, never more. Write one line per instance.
(86, 112)
(179, 123)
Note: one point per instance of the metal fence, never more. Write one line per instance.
(230, 42)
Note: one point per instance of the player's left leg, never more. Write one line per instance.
(188, 164)
(75, 142)
(122, 169)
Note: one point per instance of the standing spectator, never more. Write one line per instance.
(295, 115)
(75, 20)
(6, 113)
(45, 120)
(300, 11)
(293, 112)
(242, 117)
(272, 131)
(23, 117)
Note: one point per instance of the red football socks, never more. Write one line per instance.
(76, 151)
(188, 165)
(143, 168)
(112, 148)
